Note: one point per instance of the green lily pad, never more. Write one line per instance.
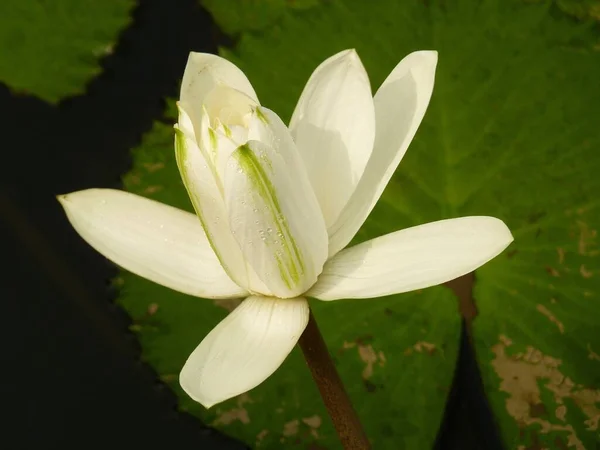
(235, 16)
(582, 9)
(511, 132)
(51, 48)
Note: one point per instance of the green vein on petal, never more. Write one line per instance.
(290, 265)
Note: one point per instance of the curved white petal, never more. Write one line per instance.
(400, 105)
(333, 126)
(265, 126)
(205, 189)
(204, 72)
(244, 349)
(414, 258)
(153, 240)
(276, 222)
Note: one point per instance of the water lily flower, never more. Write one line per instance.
(275, 207)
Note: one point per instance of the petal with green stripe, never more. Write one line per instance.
(199, 180)
(278, 225)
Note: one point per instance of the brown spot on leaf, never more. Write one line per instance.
(260, 437)
(133, 179)
(584, 272)
(291, 428)
(586, 238)
(561, 255)
(537, 410)
(152, 309)
(313, 422)
(423, 346)
(346, 345)
(367, 354)
(592, 354)
(152, 189)
(552, 271)
(561, 412)
(153, 167)
(546, 312)
(522, 375)
(369, 357)
(238, 413)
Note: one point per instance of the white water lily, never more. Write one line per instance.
(277, 205)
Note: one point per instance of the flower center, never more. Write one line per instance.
(228, 107)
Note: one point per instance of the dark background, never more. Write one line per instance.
(73, 377)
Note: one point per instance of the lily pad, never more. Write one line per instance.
(511, 132)
(582, 9)
(51, 48)
(235, 16)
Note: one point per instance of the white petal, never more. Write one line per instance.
(266, 126)
(206, 194)
(414, 258)
(229, 105)
(276, 222)
(244, 349)
(333, 126)
(204, 72)
(400, 105)
(223, 124)
(153, 240)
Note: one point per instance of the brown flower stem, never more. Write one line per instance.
(336, 400)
